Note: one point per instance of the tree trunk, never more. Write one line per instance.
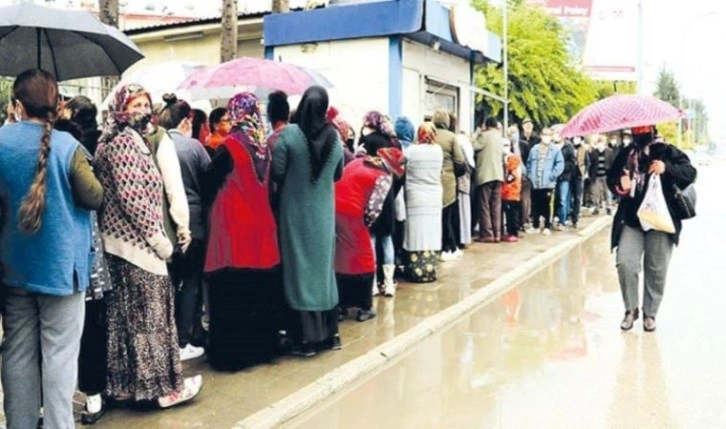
(109, 15)
(280, 6)
(228, 48)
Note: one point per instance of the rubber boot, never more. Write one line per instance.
(389, 286)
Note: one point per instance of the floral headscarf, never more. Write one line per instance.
(246, 115)
(426, 133)
(118, 119)
(379, 122)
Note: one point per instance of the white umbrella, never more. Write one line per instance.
(160, 79)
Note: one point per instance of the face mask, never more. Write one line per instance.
(140, 122)
(515, 137)
(642, 139)
(547, 139)
(577, 142)
(627, 142)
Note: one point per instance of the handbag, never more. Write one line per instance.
(684, 206)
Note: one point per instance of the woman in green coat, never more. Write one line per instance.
(307, 160)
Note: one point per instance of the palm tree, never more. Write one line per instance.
(228, 48)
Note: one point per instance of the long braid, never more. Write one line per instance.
(31, 211)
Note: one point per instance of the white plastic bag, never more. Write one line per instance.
(653, 212)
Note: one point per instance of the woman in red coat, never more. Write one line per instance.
(359, 198)
(242, 256)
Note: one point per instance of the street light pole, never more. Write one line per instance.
(682, 67)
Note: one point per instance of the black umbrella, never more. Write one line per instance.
(70, 44)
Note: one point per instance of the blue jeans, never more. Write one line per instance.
(386, 246)
(563, 206)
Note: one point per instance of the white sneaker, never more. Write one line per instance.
(546, 232)
(190, 352)
(458, 253)
(447, 256)
(192, 387)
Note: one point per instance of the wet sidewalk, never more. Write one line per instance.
(229, 398)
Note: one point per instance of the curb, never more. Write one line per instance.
(338, 379)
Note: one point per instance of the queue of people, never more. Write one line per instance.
(250, 234)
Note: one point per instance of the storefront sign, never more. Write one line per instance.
(468, 27)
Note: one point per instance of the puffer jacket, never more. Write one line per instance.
(554, 165)
(512, 186)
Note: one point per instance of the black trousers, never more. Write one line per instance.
(187, 271)
(92, 356)
(512, 212)
(543, 205)
(450, 228)
(576, 192)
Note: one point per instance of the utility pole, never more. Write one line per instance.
(228, 45)
(641, 62)
(108, 13)
(280, 6)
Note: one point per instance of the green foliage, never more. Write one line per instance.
(6, 89)
(667, 87)
(544, 83)
(605, 89)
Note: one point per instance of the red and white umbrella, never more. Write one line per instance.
(251, 74)
(619, 112)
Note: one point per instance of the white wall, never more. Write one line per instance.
(358, 69)
(420, 62)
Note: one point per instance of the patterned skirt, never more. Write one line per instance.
(422, 267)
(143, 348)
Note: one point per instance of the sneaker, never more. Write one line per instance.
(304, 350)
(546, 232)
(447, 256)
(629, 320)
(596, 212)
(649, 324)
(192, 387)
(532, 230)
(190, 352)
(364, 315)
(559, 227)
(93, 410)
(511, 239)
(574, 225)
(458, 253)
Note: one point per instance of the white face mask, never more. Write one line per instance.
(547, 139)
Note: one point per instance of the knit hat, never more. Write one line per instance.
(394, 159)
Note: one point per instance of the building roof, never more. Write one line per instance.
(190, 23)
(425, 21)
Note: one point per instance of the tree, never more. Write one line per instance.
(6, 89)
(667, 87)
(544, 82)
(228, 47)
(605, 89)
(108, 13)
(280, 6)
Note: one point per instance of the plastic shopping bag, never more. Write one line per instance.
(653, 212)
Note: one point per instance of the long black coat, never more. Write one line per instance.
(679, 172)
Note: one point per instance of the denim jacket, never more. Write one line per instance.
(554, 165)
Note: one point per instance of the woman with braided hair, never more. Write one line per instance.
(48, 191)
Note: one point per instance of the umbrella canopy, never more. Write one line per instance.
(251, 74)
(70, 44)
(618, 112)
(159, 79)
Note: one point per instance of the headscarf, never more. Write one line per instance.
(637, 163)
(245, 113)
(426, 133)
(441, 119)
(405, 131)
(118, 119)
(310, 116)
(377, 121)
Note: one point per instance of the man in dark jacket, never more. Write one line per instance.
(601, 158)
(639, 249)
(527, 141)
(563, 184)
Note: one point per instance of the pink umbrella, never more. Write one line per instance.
(618, 112)
(251, 74)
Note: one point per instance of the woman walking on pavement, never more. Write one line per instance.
(243, 259)
(637, 249)
(377, 134)
(424, 191)
(306, 162)
(47, 190)
(187, 267)
(359, 198)
(143, 349)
